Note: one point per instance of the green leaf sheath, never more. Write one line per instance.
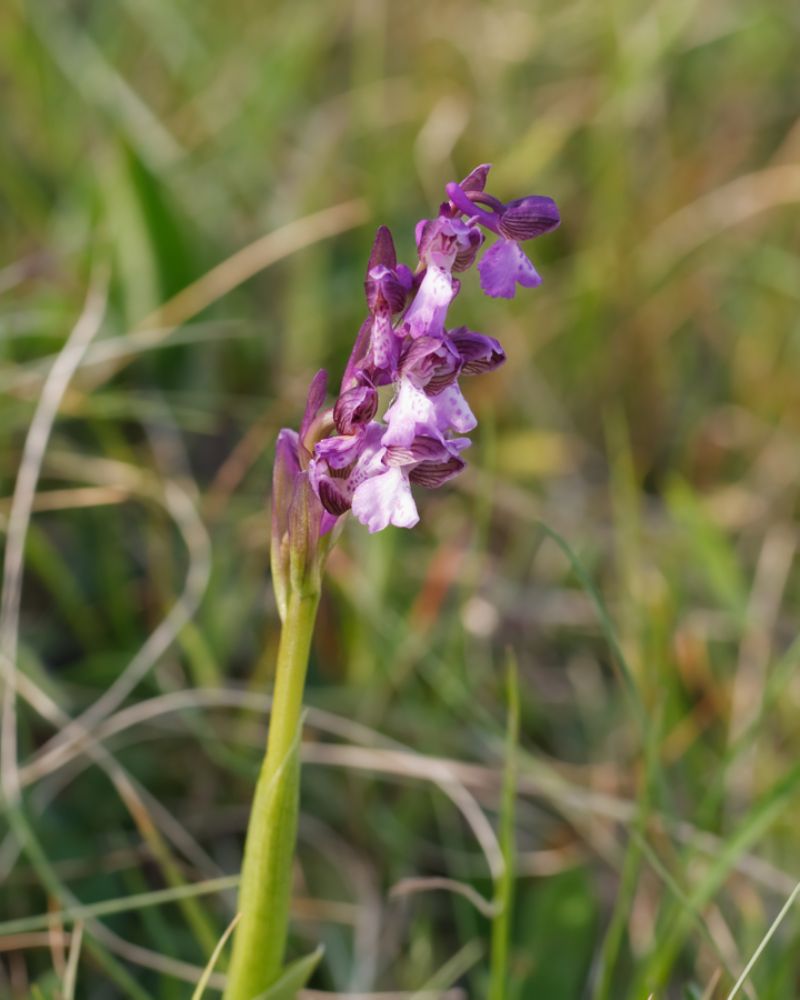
(294, 977)
(265, 889)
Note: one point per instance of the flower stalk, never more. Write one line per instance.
(264, 896)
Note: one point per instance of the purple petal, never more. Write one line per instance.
(466, 257)
(422, 449)
(383, 348)
(502, 266)
(355, 407)
(370, 457)
(405, 276)
(285, 472)
(385, 499)
(527, 218)
(431, 363)
(383, 253)
(452, 411)
(476, 179)
(357, 355)
(478, 353)
(326, 522)
(383, 288)
(420, 231)
(333, 495)
(435, 474)
(464, 205)
(315, 399)
(443, 239)
(339, 452)
(426, 314)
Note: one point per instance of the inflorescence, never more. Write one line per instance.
(368, 464)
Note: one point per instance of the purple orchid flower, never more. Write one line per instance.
(369, 465)
(505, 264)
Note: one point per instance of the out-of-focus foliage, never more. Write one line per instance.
(649, 414)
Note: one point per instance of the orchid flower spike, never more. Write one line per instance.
(368, 464)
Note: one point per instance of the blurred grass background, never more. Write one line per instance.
(649, 416)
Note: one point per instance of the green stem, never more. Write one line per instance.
(504, 889)
(265, 889)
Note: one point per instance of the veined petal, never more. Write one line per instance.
(423, 448)
(527, 218)
(333, 495)
(478, 352)
(503, 266)
(436, 474)
(355, 408)
(385, 499)
(467, 254)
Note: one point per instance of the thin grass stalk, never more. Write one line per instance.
(504, 891)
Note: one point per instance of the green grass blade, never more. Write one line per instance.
(504, 890)
(293, 978)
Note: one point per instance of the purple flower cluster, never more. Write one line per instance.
(369, 465)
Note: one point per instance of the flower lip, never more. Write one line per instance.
(503, 267)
